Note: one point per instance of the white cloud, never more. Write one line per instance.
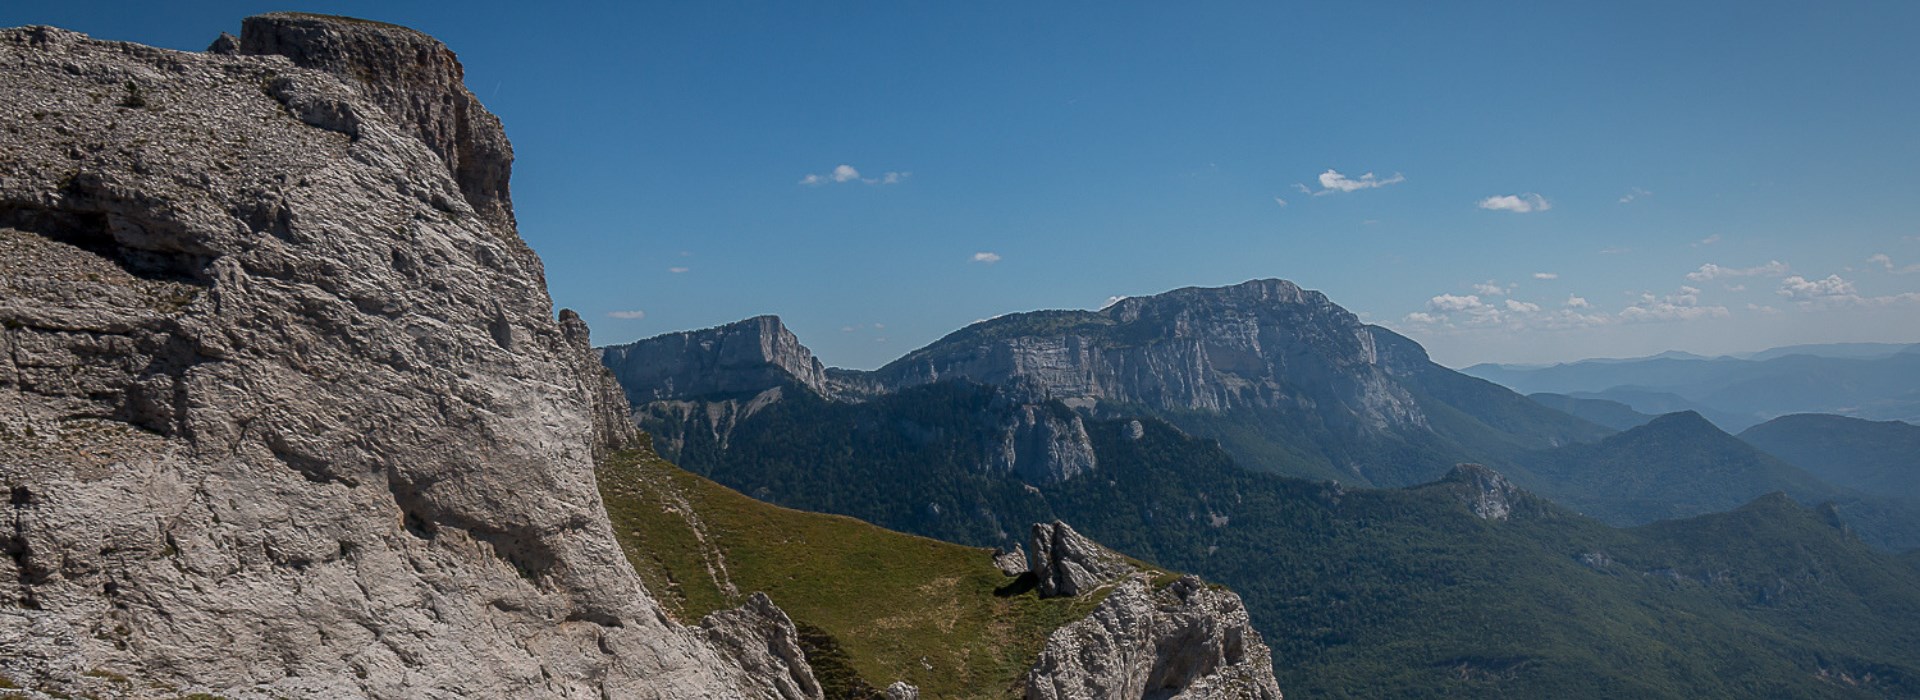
(1546, 275)
(1709, 240)
(846, 329)
(1279, 201)
(1736, 287)
(678, 270)
(1886, 261)
(1332, 181)
(1762, 309)
(1710, 271)
(1833, 288)
(1489, 288)
(1111, 301)
(1633, 194)
(986, 257)
(1516, 203)
(629, 315)
(1446, 303)
(1683, 305)
(1615, 251)
(1464, 312)
(847, 173)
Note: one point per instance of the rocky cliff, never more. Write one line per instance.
(1263, 343)
(1286, 380)
(284, 410)
(737, 359)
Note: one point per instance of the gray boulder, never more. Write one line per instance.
(1068, 564)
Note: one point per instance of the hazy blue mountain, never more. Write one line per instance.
(1862, 351)
(1871, 381)
(1878, 457)
(1609, 413)
(1652, 402)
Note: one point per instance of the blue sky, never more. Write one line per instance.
(1715, 177)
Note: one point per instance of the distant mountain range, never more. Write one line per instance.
(1286, 380)
(1874, 381)
(1164, 426)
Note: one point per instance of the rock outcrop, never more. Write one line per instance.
(1012, 562)
(739, 359)
(284, 410)
(1066, 563)
(1488, 494)
(1043, 444)
(1186, 641)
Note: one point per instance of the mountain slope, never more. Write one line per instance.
(1679, 465)
(1285, 379)
(1874, 457)
(874, 606)
(1364, 593)
(1611, 414)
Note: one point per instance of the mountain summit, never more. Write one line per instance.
(1284, 378)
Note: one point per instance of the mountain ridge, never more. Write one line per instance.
(1357, 402)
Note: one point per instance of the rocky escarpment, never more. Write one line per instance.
(1284, 378)
(283, 407)
(1186, 640)
(1263, 343)
(737, 359)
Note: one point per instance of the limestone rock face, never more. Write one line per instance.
(416, 80)
(1042, 445)
(743, 358)
(283, 407)
(762, 640)
(1264, 343)
(1488, 494)
(1186, 641)
(1067, 563)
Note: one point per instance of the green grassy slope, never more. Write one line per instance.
(873, 606)
(1384, 593)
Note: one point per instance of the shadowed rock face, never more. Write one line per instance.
(283, 406)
